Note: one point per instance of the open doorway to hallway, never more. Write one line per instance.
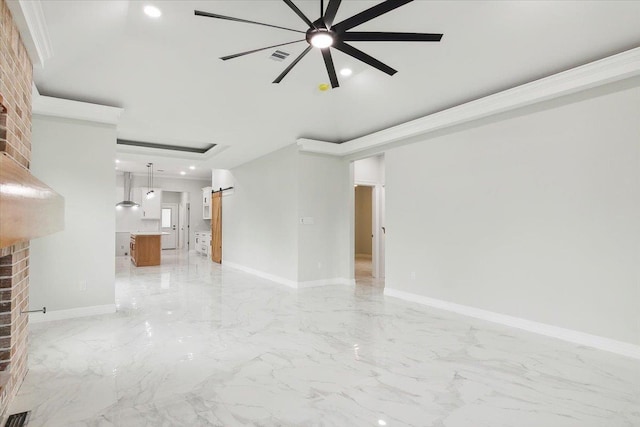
(369, 229)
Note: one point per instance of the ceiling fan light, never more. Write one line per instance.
(321, 40)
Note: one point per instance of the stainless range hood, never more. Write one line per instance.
(127, 203)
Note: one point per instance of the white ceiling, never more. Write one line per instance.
(166, 74)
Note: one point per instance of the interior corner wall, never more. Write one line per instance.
(323, 194)
(259, 220)
(74, 268)
(535, 216)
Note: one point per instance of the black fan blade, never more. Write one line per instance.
(231, 18)
(224, 58)
(361, 56)
(299, 13)
(293, 64)
(369, 14)
(330, 14)
(328, 61)
(364, 36)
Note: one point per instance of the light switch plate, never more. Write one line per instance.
(306, 220)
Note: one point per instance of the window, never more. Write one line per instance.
(166, 217)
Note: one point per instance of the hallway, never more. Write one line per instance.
(197, 344)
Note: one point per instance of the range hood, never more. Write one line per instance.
(127, 203)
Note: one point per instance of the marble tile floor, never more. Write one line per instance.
(196, 344)
(363, 272)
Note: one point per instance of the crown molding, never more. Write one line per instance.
(317, 146)
(65, 108)
(608, 70)
(29, 17)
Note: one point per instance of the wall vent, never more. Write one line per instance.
(279, 55)
(17, 420)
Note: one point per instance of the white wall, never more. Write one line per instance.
(128, 220)
(323, 194)
(74, 268)
(221, 178)
(536, 216)
(369, 170)
(171, 197)
(259, 221)
(261, 227)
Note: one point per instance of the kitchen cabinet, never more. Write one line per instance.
(151, 208)
(206, 202)
(203, 243)
(145, 249)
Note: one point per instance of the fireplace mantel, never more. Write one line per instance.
(28, 207)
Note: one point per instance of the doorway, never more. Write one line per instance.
(169, 222)
(369, 221)
(363, 224)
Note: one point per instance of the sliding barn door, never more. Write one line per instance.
(216, 227)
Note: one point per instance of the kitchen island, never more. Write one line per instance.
(145, 247)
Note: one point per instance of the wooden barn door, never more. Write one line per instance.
(216, 227)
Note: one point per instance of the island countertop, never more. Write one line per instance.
(148, 233)
(146, 248)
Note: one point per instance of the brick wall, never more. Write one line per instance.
(15, 140)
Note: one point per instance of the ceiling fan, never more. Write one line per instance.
(323, 34)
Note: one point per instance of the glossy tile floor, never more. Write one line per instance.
(363, 272)
(196, 344)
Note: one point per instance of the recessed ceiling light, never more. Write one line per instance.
(192, 168)
(152, 11)
(183, 173)
(117, 161)
(346, 72)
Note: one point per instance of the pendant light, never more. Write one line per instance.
(150, 193)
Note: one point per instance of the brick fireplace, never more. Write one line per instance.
(15, 142)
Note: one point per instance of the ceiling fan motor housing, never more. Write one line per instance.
(313, 33)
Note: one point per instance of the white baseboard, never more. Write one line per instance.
(290, 283)
(262, 274)
(327, 282)
(72, 313)
(576, 337)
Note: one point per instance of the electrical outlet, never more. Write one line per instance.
(319, 265)
(413, 275)
(82, 285)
